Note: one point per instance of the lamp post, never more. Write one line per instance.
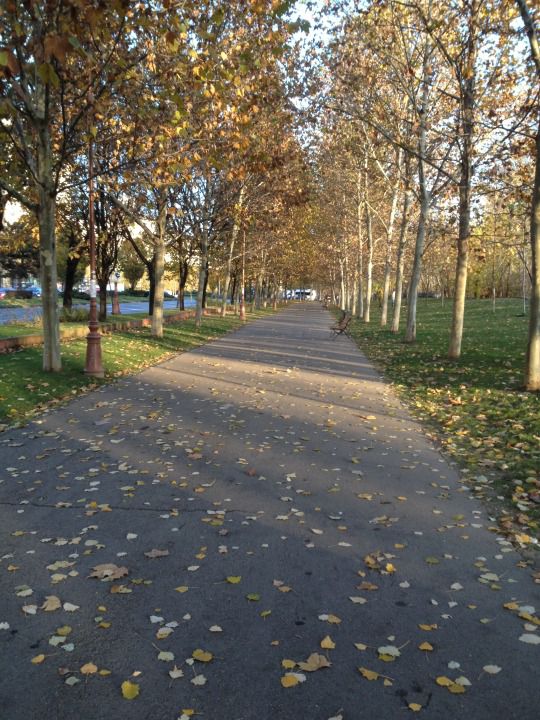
(93, 365)
(115, 303)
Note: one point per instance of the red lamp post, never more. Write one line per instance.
(115, 303)
(94, 364)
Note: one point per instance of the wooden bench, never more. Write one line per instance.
(342, 326)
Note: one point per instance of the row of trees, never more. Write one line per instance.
(426, 152)
(183, 106)
(414, 163)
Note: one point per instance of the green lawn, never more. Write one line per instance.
(475, 405)
(25, 389)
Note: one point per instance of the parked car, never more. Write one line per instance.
(34, 289)
(6, 292)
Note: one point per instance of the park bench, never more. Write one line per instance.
(341, 328)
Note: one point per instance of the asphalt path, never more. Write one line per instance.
(21, 314)
(285, 542)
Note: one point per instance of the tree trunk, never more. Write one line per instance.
(369, 264)
(425, 203)
(389, 240)
(182, 280)
(405, 220)
(159, 270)
(46, 216)
(203, 243)
(69, 280)
(466, 172)
(205, 288)
(151, 272)
(102, 315)
(532, 357)
(360, 305)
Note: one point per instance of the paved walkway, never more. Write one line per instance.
(287, 498)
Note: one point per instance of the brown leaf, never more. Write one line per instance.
(108, 571)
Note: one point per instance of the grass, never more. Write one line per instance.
(34, 327)
(475, 405)
(25, 389)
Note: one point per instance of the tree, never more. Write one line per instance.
(52, 53)
(532, 365)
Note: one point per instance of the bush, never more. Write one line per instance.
(74, 315)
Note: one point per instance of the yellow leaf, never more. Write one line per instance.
(360, 646)
(443, 681)
(89, 669)
(426, 646)
(182, 588)
(38, 659)
(104, 672)
(130, 690)
(234, 579)
(333, 619)
(511, 606)
(288, 681)
(63, 631)
(456, 688)
(428, 628)
(387, 658)
(390, 568)
(415, 707)
(288, 664)
(202, 655)
(368, 674)
(327, 643)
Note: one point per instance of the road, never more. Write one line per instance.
(11, 315)
(282, 541)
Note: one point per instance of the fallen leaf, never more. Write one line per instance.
(415, 707)
(199, 680)
(108, 571)
(492, 669)
(89, 669)
(51, 603)
(327, 643)
(165, 656)
(202, 655)
(289, 680)
(130, 690)
(176, 673)
(234, 579)
(368, 674)
(530, 639)
(37, 659)
(315, 662)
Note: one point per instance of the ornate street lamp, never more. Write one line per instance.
(115, 303)
(93, 365)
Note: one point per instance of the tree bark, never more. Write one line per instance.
(425, 204)
(369, 234)
(46, 216)
(405, 220)
(159, 269)
(203, 246)
(466, 172)
(389, 241)
(102, 315)
(69, 279)
(532, 357)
